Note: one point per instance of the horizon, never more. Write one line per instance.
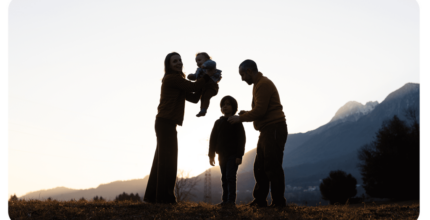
(198, 173)
(79, 77)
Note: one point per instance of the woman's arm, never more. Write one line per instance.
(178, 82)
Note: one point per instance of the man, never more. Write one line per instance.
(269, 119)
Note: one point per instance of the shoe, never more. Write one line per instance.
(257, 204)
(221, 204)
(201, 113)
(278, 205)
(226, 203)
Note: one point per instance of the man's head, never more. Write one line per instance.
(247, 69)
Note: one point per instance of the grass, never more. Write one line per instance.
(106, 210)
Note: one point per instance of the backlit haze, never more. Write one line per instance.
(85, 75)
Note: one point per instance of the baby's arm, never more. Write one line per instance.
(210, 64)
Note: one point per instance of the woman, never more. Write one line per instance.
(175, 89)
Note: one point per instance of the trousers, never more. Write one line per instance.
(228, 168)
(207, 94)
(268, 171)
(162, 179)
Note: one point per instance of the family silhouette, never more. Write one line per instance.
(227, 138)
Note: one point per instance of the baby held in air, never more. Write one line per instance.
(205, 64)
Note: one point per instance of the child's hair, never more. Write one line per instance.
(233, 103)
(206, 55)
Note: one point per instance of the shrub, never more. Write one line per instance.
(338, 187)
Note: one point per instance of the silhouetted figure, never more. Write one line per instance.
(175, 89)
(269, 119)
(205, 64)
(228, 141)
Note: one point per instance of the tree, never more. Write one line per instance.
(184, 186)
(338, 187)
(390, 164)
(13, 198)
(126, 197)
(97, 198)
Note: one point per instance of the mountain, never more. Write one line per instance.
(353, 110)
(108, 191)
(308, 157)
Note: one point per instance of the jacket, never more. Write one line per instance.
(174, 91)
(227, 139)
(209, 64)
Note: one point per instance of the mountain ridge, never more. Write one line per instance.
(308, 156)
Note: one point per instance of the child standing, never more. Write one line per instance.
(228, 141)
(205, 63)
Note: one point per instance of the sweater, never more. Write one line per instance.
(174, 91)
(227, 139)
(266, 104)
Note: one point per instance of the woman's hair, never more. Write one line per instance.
(167, 68)
(206, 55)
(232, 101)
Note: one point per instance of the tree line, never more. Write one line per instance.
(389, 165)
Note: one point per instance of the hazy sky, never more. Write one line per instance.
(85, 75)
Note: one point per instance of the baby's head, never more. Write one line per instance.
(228, 106)
(201, 58)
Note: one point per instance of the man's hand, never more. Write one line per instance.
(233, 119)
(238, 161)
(242, 112)
(212, 161)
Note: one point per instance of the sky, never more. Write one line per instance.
(84, 76)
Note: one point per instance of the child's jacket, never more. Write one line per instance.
(210, 64)
(227, 139)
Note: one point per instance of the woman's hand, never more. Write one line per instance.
(211, 72)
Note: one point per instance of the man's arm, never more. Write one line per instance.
(262, 97)
(240, 133)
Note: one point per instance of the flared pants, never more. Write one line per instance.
(162, 180)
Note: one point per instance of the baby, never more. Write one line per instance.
(205, 63)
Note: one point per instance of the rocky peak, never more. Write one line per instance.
(353, 110)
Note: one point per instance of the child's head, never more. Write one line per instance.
(228, 105)
(201, 58)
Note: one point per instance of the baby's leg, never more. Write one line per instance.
(205, 99)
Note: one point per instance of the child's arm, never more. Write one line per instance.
(213, 143)
(241, 141)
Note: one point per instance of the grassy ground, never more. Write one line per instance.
(55, 210)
